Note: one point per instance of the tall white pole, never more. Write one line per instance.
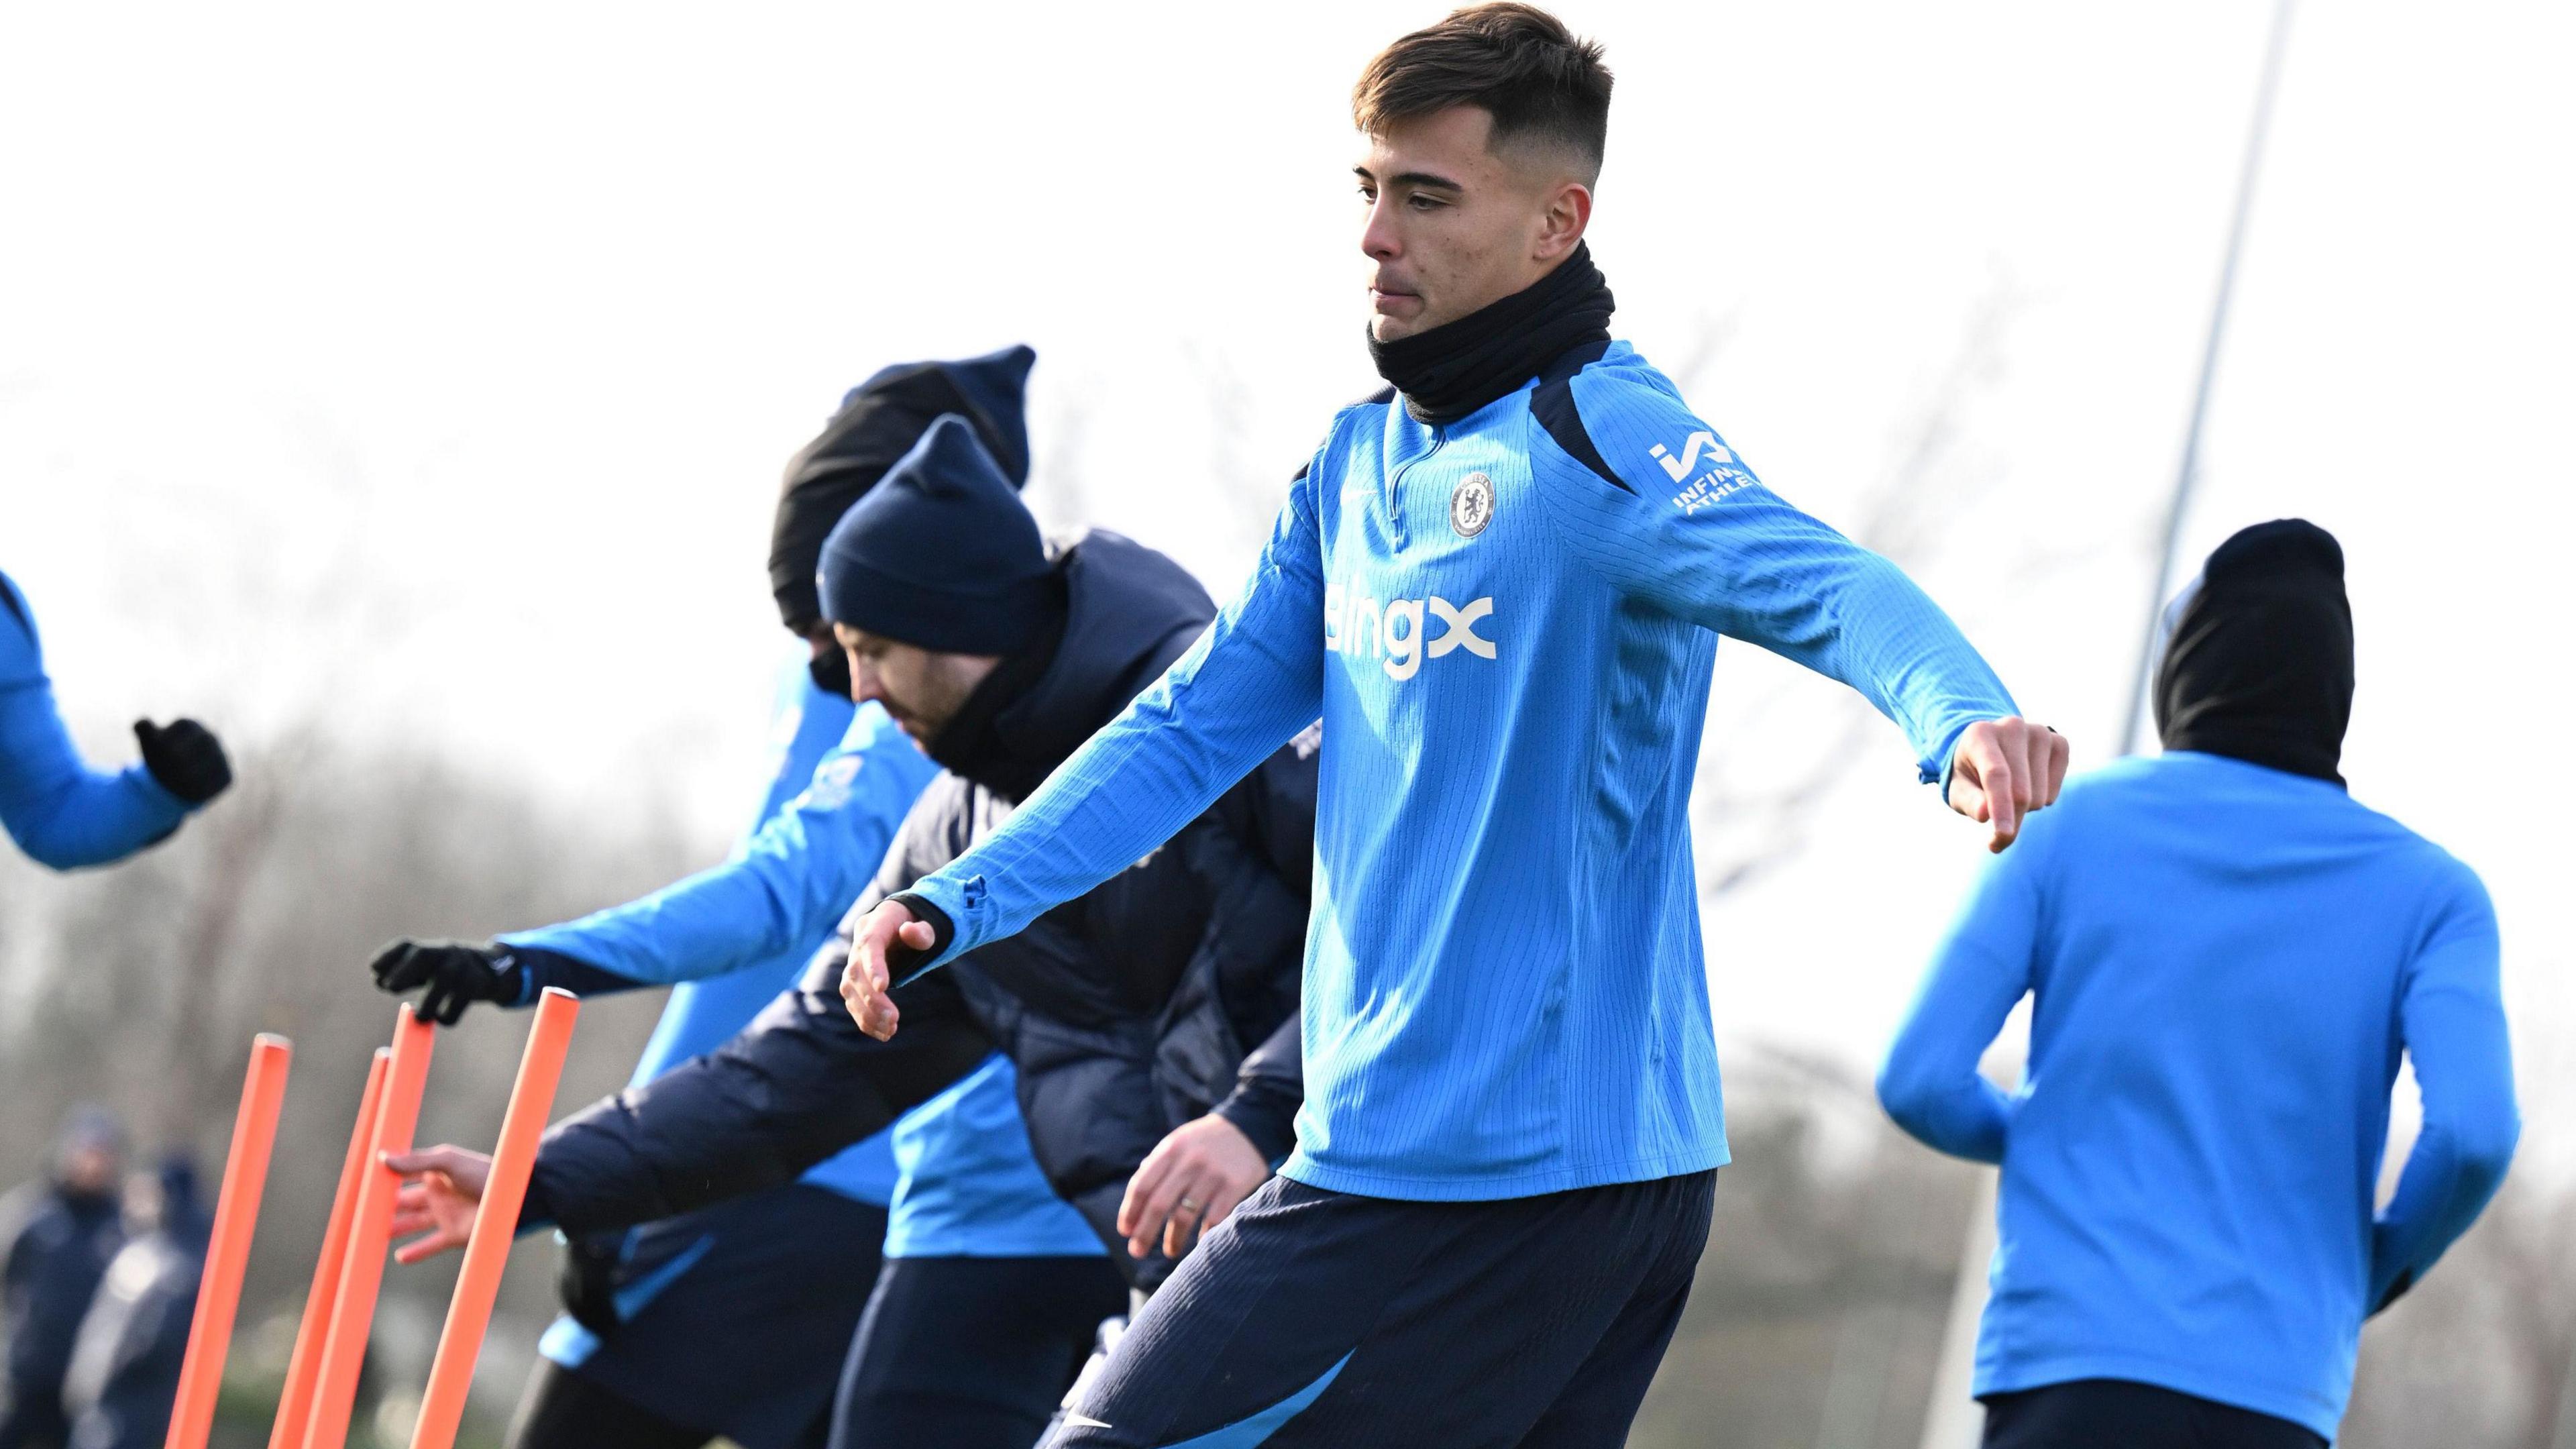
(1952, 1420)
(2188, 473)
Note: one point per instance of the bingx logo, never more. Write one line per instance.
(1391, 631)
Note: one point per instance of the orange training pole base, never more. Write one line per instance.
(201, 1372)
(295, 1403)
(353, 1310)
(496, 1222)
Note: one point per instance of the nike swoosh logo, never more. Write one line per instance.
(1084, 1421)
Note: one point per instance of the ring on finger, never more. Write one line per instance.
(1190, 1205)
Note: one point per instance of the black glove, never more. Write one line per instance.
(587, 1281)
(185, 757)
(456, 974)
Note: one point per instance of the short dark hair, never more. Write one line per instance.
(1531, 74)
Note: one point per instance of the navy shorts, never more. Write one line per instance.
(736, 1318)
(1321, 1318)
(2118, 1414)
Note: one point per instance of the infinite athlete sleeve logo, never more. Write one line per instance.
(1725, 474)
(1679, 468)
(1362, 627)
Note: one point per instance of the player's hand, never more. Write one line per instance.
(185, 757)
(457, 975)
(443, 1192)
(1189, 1183)
(2002, 770)
(867, 981)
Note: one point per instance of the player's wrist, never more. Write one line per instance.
(943, 932)
(1265, 1118)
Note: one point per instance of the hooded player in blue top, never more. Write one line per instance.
(734, 1319)
(2225, 954)
(1501, 584)
(59, 810)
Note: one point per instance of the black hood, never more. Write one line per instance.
(2258, 665)
(878, 422)
(1129, 612)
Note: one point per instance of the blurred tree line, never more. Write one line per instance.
(140, 986)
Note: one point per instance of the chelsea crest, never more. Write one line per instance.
(1471, 507)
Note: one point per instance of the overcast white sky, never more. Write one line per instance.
(431, 371)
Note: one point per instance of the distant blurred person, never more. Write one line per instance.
(124, 1372)
(735, 1318)
(56, 1240)
(2226, 955)
(60, 811)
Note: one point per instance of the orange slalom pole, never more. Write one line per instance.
(295, 1403)
(496, 1222)
(201, 1372)
(353, 1309)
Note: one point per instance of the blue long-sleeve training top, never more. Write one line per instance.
(60, 811)
(1508, 625)
(2224, 962)
(730, 938)
(957, 1171)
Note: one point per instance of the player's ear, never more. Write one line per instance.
(1569, 211)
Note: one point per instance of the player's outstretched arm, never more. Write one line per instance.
(1653, 500)
(797, 1085)
(1250, 683)
(781, 892)
(453, 975)
(2453, 1018)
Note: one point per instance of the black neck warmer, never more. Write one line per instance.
(2260, 663)
(88, 1206)
(1458, 367)
(971, 746)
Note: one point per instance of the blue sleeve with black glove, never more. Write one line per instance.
(55, 806)
(781, 893)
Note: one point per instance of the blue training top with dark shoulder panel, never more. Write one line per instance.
(1508, 625)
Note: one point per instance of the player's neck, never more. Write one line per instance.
(1457, 367)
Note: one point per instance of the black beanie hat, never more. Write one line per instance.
(2259, 666)
(941, 554)
(878, 422)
